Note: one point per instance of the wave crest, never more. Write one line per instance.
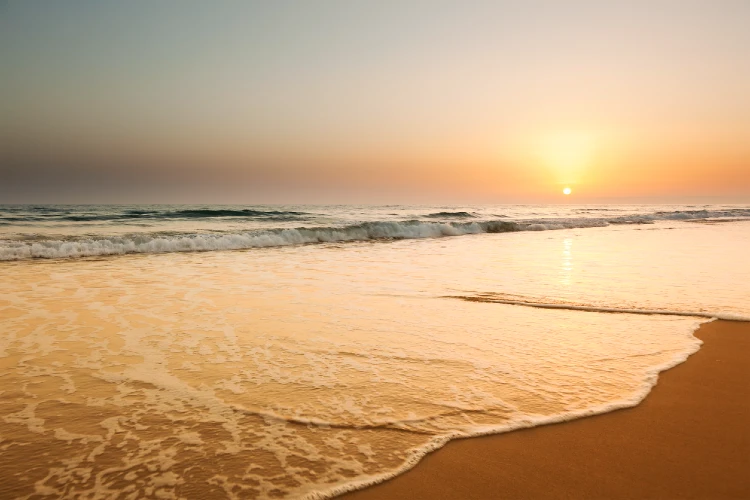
(201, 242)
(48, 215)
(448, 215)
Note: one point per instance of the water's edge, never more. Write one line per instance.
(440, 441)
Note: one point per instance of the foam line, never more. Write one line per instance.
(202, 242)
(622, 310)
(528, 422)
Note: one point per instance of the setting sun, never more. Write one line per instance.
(567, 190)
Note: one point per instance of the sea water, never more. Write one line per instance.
(300, 351)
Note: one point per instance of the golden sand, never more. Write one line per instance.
(690, 438)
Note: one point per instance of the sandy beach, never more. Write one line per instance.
(690, 438)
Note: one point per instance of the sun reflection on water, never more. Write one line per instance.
(566, 267)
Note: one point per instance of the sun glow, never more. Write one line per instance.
(567, 156)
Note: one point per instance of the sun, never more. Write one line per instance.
(567, 191)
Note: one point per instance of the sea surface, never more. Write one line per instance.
(173, 351)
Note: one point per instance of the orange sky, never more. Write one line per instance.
(377, 102)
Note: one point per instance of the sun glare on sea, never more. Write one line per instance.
(567, 191)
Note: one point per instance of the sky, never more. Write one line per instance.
(374, 102)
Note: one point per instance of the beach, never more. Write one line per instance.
(689, 438)
(392, 250)
(146, 356)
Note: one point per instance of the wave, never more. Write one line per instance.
(204, 213)
(201, 242)
(37, 214)
(546, 304)
(697, 214)
(447, 215)
(160, 242)
(188, 214)
(528, 421)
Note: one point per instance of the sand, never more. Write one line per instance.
(690, 438)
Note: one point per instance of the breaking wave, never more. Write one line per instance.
(33, 247)
(201, 242)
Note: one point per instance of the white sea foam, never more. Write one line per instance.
(301, 404)
(437, 442)
(621, 310)
(156, 243)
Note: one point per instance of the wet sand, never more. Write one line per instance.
(690, 438)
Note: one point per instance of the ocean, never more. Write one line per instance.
(175, 351)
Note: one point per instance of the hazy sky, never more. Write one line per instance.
(343, 101)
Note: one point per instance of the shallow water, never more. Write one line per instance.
(308, 370)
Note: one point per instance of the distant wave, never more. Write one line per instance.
(203, 213)
(49, 214)
(699, 214)
(680, 215)
(446, 215)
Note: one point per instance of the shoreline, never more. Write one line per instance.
(688, 439)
